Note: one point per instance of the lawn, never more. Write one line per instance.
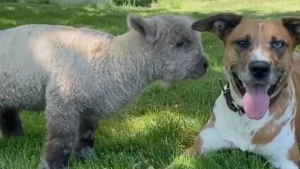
(153, 130)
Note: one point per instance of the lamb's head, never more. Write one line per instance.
(173, 50)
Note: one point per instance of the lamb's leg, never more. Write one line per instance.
(62, 124)
(10, 122)
(86, 132)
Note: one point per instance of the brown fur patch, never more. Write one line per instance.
(292, 123)
(211, 122)
(278, 108)
(267, 133)
(294, 153)
(296, 80)
(195, 148)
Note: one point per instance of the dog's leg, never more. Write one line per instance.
(282, 152)
(287, 160)
(207, 140)
(86, 132)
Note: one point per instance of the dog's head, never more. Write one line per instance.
(258, 55)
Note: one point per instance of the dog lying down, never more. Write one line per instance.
(258, 109)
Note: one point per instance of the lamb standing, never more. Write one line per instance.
(78, 76)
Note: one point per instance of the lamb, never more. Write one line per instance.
(79, 75)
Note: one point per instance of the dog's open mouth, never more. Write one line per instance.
(256, 97)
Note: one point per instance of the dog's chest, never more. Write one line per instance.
(239, 130)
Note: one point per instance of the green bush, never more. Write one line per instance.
(169, 3)
(60, 2)
(143, 3)
(8, 1)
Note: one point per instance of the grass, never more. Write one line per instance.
(155, 128)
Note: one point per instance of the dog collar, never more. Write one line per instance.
(232, 105)
(229, 100)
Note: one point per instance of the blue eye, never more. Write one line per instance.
(277, 44)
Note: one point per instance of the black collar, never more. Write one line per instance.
(232, 105)
(229, 100)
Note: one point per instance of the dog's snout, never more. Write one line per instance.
(259, 69)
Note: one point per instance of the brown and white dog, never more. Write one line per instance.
(257, 110)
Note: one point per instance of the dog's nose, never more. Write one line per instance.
(259, 69)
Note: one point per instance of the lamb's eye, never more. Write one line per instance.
(179, 44)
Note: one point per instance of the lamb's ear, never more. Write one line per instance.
(292, 24)
(142, 26)
(220, 24)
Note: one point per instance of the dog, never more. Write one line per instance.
(257, 110)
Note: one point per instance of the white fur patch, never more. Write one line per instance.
(258, 53)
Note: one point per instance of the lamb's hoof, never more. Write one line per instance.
(43, 165)
(18, 133)
(14, 134)
(85, 153)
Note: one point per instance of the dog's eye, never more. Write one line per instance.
(179, 44)
(243, 43)
(277, 44)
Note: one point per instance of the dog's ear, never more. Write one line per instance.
(220, 24)
(292, 24)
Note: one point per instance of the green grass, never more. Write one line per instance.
(154, 129)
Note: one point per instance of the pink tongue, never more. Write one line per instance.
(256, 101)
